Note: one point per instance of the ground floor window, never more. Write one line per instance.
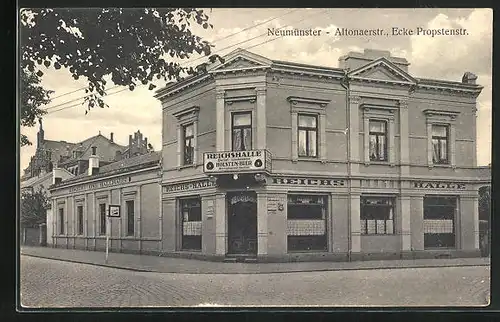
(102, 219)
(306, 223)
(439, 221)
(61, 221)
(190, 211)
(130, 217)
(377, 215)
(79, 211)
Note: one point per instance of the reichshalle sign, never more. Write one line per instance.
(234, 161)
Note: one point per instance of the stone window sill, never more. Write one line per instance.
(307, 159)
(379, 163)
(187, 166)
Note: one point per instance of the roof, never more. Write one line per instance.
(260, 62)
(124, 165)
(32, 181)
(85, 146)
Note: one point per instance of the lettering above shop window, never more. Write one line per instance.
(102, 184)
(310, 182)
(439, 185)
(188, 186)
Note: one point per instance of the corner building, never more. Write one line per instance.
(278, 161)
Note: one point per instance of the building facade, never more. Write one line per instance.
(282, 161)
(81, 206)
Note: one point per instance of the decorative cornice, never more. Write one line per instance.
(239, 70)
(294, 100)
(231, 100)
(450, 114)
(190, 111)
(181, 86)
(260, 91)
(220, 94)
(378, 107)
(403, 104)
(353, 99)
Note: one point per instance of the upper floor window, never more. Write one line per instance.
(440, 140)
(307, 135)
(242, 131)
(378, 140)
(188, 137)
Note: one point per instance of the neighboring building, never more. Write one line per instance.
(74, 156)
(81, 205)
(286, 161)
(72, 159)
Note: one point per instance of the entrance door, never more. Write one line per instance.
(242, 224)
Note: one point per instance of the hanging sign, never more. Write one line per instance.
(114, 211)
(234, 161)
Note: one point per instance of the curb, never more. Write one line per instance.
(261, 272)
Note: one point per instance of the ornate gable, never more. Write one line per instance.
(382, 70)
(238, 60)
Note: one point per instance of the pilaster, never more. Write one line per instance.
(354, 102)
(404, 146)
(355, 222)
(220, 224)
(262, 230)
(261, 118)
(220, 130)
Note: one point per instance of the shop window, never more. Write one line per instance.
(188, 148)
(102, 219)
(241, 129)
(378, 140)
(440, 143)
(307, 135)
(306, 223)
(377, 215)
(79, 212)
(61, 221)
(439, 221)
(129, 204)
(190, 212)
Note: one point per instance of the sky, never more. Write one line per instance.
(440, 57)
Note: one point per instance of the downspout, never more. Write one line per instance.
(345, 84)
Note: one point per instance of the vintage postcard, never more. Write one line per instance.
(254, 157)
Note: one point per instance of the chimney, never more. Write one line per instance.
(111, 137)
(146, 143)
(56, 174)
(354, 60)
(93, 162)
(469, 78)
(118, 155)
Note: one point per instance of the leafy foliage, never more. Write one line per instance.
(130, 45)
(33, 208)
(32, 97)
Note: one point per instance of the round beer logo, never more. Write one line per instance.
(258, 163)
(210, 166)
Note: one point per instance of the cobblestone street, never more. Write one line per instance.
(51, 283)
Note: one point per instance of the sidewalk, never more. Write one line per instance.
(146, 263)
